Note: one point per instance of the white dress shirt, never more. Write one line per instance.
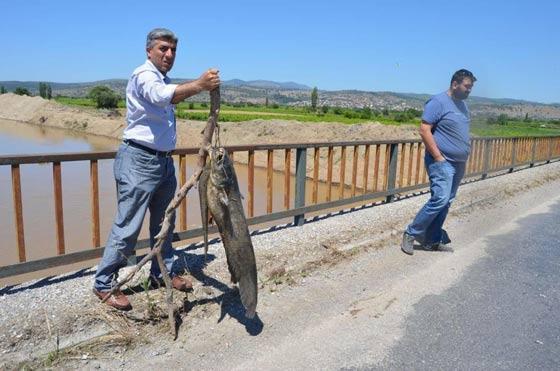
(150, 114)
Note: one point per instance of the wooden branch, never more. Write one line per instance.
(170, 212)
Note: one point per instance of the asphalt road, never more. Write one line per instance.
(492, 303)
(503, 314)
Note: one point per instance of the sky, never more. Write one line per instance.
(512, 47)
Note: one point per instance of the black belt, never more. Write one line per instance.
(147, 149)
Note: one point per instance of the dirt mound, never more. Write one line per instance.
(20, 108)
(39, 111)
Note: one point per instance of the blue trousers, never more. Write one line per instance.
(445, 177)
(144, 182)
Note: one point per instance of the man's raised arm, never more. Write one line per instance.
(209, 80)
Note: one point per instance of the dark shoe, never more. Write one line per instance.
(438, 246)
(445, 237)
(407, 245)
(435, 246)
(118, 300)
(181, 283)
(432, 246)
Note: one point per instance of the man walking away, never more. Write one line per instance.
(445, 133)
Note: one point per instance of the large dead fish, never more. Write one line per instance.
(219, 195)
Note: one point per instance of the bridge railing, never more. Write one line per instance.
(348, 173)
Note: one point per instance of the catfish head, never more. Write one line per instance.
(221, 175)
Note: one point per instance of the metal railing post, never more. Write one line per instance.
(392, 173)
(534, 150)
(550, 142)
(299, 197)
(486, 159)
(513, 152)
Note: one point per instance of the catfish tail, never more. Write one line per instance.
(248, 293)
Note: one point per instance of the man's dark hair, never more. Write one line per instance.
(462, 74)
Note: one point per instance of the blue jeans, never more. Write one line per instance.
(144, 182)
(445, 177)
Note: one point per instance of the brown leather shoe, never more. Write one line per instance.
(181, 283)
(118, 300)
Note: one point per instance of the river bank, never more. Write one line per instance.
(38, 111)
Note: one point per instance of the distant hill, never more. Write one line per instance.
(264, 84)
(291, 93)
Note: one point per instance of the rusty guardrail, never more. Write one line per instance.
(379, 170)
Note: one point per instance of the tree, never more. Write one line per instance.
(97, 90)
(22, 91)
(325, 109)
(502, 119)
(45, 90)
(104, 97)
(402, 117)
(412, 112)
(2, 89)
(266, 101)
(314, 98)
(366, 113)
(107, 100)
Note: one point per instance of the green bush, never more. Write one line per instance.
(22, 91)
(350, 114)
(104, 97)
(107, 100)
(412, 112)
(402, 117)
(502, 119)
(366, 113)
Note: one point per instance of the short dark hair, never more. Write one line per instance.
(160, 33)
(462, 74)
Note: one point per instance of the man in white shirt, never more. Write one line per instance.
(143, 167)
